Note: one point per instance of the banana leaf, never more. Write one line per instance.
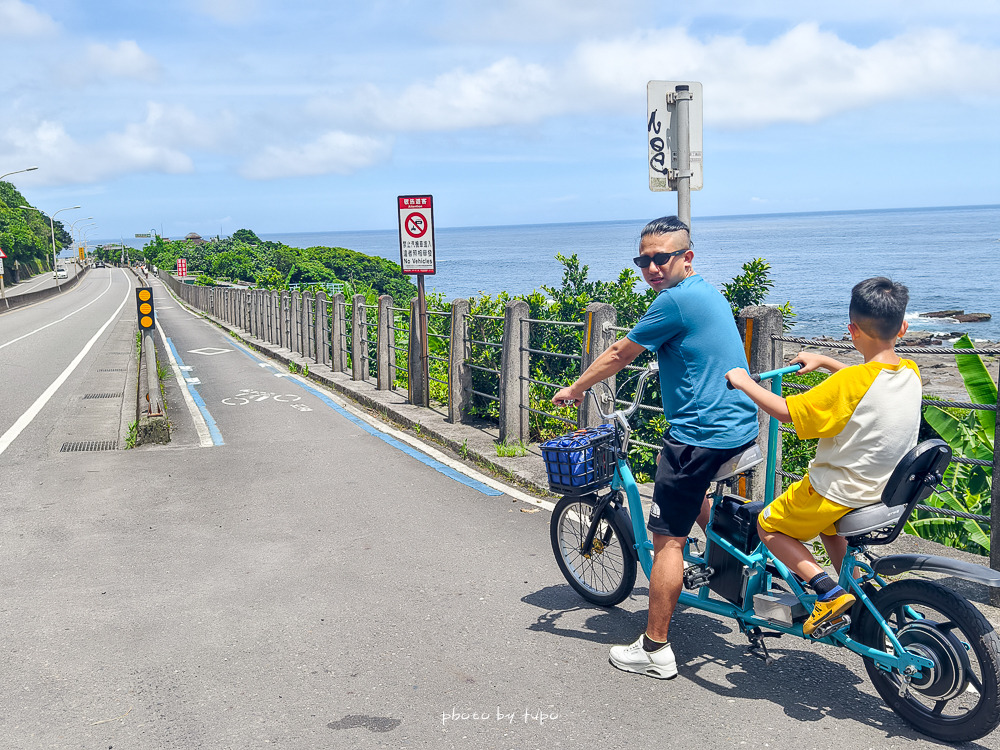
(979, 384)
(957, 434)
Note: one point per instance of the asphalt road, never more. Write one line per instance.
(285, 575)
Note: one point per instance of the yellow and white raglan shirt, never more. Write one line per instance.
(866, 418)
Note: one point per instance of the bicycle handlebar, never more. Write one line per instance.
(758, 377)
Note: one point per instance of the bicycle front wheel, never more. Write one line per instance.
(606, 574)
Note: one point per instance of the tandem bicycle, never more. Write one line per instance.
(931, 655)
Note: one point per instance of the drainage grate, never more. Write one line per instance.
(113, 369)
(89, 445)
(103, 395)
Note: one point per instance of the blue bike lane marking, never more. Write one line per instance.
(213, 429)
(408, 450)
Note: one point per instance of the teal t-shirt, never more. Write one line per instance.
(691, 329)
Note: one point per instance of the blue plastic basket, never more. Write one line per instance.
(580, 462)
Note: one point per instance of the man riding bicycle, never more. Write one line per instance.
(690, 326)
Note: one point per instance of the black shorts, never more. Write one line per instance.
(682, 479)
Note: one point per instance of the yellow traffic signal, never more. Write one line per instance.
(144, 306)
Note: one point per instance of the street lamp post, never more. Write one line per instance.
(52, 228)
(84, 240)
(29, 169)
(72, 227)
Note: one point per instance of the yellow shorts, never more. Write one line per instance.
(802, 513)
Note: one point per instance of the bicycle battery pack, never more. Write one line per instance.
(735, 520)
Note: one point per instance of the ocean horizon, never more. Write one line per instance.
(942, 254)
(816, 258)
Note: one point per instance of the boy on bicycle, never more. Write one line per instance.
(866, 418)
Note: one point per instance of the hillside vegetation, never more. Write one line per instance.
(25, 236)
(244, 257)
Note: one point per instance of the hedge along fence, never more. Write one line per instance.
(502, 369)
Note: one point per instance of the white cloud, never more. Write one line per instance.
(20, 19)
(333, 153)
(803, 75)
(126, 60)
(156, 144)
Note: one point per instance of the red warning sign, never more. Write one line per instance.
(416, 233)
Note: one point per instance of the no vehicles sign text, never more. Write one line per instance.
(416, 233)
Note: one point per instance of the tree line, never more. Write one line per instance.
(244, 257)
(25, 236)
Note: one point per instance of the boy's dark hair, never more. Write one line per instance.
(878, 306)
(665, 225)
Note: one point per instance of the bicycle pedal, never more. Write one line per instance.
(696, 576)
(831, 627)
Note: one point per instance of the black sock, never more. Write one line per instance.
(822, 584)
(649, 645)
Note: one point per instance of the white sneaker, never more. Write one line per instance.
(634, 658)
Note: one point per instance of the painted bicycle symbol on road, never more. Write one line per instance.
(249, 396)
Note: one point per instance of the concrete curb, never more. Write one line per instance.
(29, 298)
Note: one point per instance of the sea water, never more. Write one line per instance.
(946, 256)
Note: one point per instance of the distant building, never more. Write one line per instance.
(195, 238)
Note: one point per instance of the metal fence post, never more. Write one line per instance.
(322, 346)
(758, 325)
(383, 341)
(359, 347)
(459, 372)
(338, 329)
(598, 334)
(514, 366)
(414, 366)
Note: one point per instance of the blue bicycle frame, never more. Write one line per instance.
(760, 561)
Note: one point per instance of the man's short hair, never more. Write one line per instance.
(878, 306)
(665, 225)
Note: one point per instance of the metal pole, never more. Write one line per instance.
(683, 113)
(995, 504)
(424, 368)
(54, 271)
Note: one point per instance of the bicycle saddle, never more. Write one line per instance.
(739, 463)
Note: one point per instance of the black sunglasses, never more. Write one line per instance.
(659, 259)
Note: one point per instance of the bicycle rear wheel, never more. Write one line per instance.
(958, 700)
(605, 575)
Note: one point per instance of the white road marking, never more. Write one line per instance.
(200, 425)
(47, 325)
(25, 419)
(208, 351)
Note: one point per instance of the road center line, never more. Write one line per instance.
(25, 419)
(14, 341)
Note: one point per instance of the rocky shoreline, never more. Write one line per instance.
(938, 372)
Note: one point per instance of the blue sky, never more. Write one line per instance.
(213, 115)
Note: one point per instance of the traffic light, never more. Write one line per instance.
(144, 306)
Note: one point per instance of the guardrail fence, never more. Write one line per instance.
(487, 361)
